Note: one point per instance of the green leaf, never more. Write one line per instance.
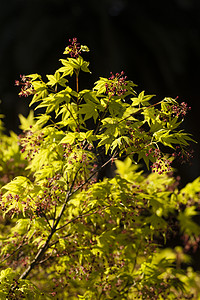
(39, 160)
(34, 76)
(84, 66)
(70, 138)
(84, 48)
(188, 226)
(141, 99)
(56, 79)
(26, 122)
(105, 140)
(71, 64)
(40, 91)
(42, 119)
(149, 115)
(87, 136)
(100, 85)
(18, 184)
(67, 69)
(90, 110)
(21, 226)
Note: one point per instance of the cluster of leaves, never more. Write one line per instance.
(76, 237)
(12, 161)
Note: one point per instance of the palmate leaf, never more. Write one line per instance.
(39, 160)
(156, 126)
(173, 124)
(105, 140)
(30, 291)
(34, 76)
(70, 138)
(120, 142)
(22, 226)
(46, 172)
(187, 225)
(42, 120)
(129, 113)
(127, 170)
(52, 106)
(18, 184)
(90, 96)
(85, 48)
(169, 100)
(56, 79)
(53, 101)
(92, 105)
(79, 63)
(149, 115)
(100, 85)
(41, 91)
(117, 143)
(67, 69)
(89, 136)
(112, 126)
(72, 64)
(141, 99)
(168, 137)
(26, 122)
(84, 66)
(116, 108)
(90, 110)
(190, 191)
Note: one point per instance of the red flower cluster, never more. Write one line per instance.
(117, 84)
(161, 164)
(30, 143)
(180, 110)
(74, 49)
(27, 88)
(183, 155)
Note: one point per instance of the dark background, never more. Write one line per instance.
(157, 44)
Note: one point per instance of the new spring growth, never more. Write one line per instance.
(180, 110)
(116, 84)
(75, 49)
(26, 86)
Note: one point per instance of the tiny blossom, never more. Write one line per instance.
(183, 155)
(30, 143)
(74, 49)
(17, 83)
(117, 84)
(180, 109)
(162, 164)
(26, 86)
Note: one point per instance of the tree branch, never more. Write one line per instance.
(42, 250)
(53, 230)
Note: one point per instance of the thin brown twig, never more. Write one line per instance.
(54, 227)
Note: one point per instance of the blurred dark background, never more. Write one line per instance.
(157, 44)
